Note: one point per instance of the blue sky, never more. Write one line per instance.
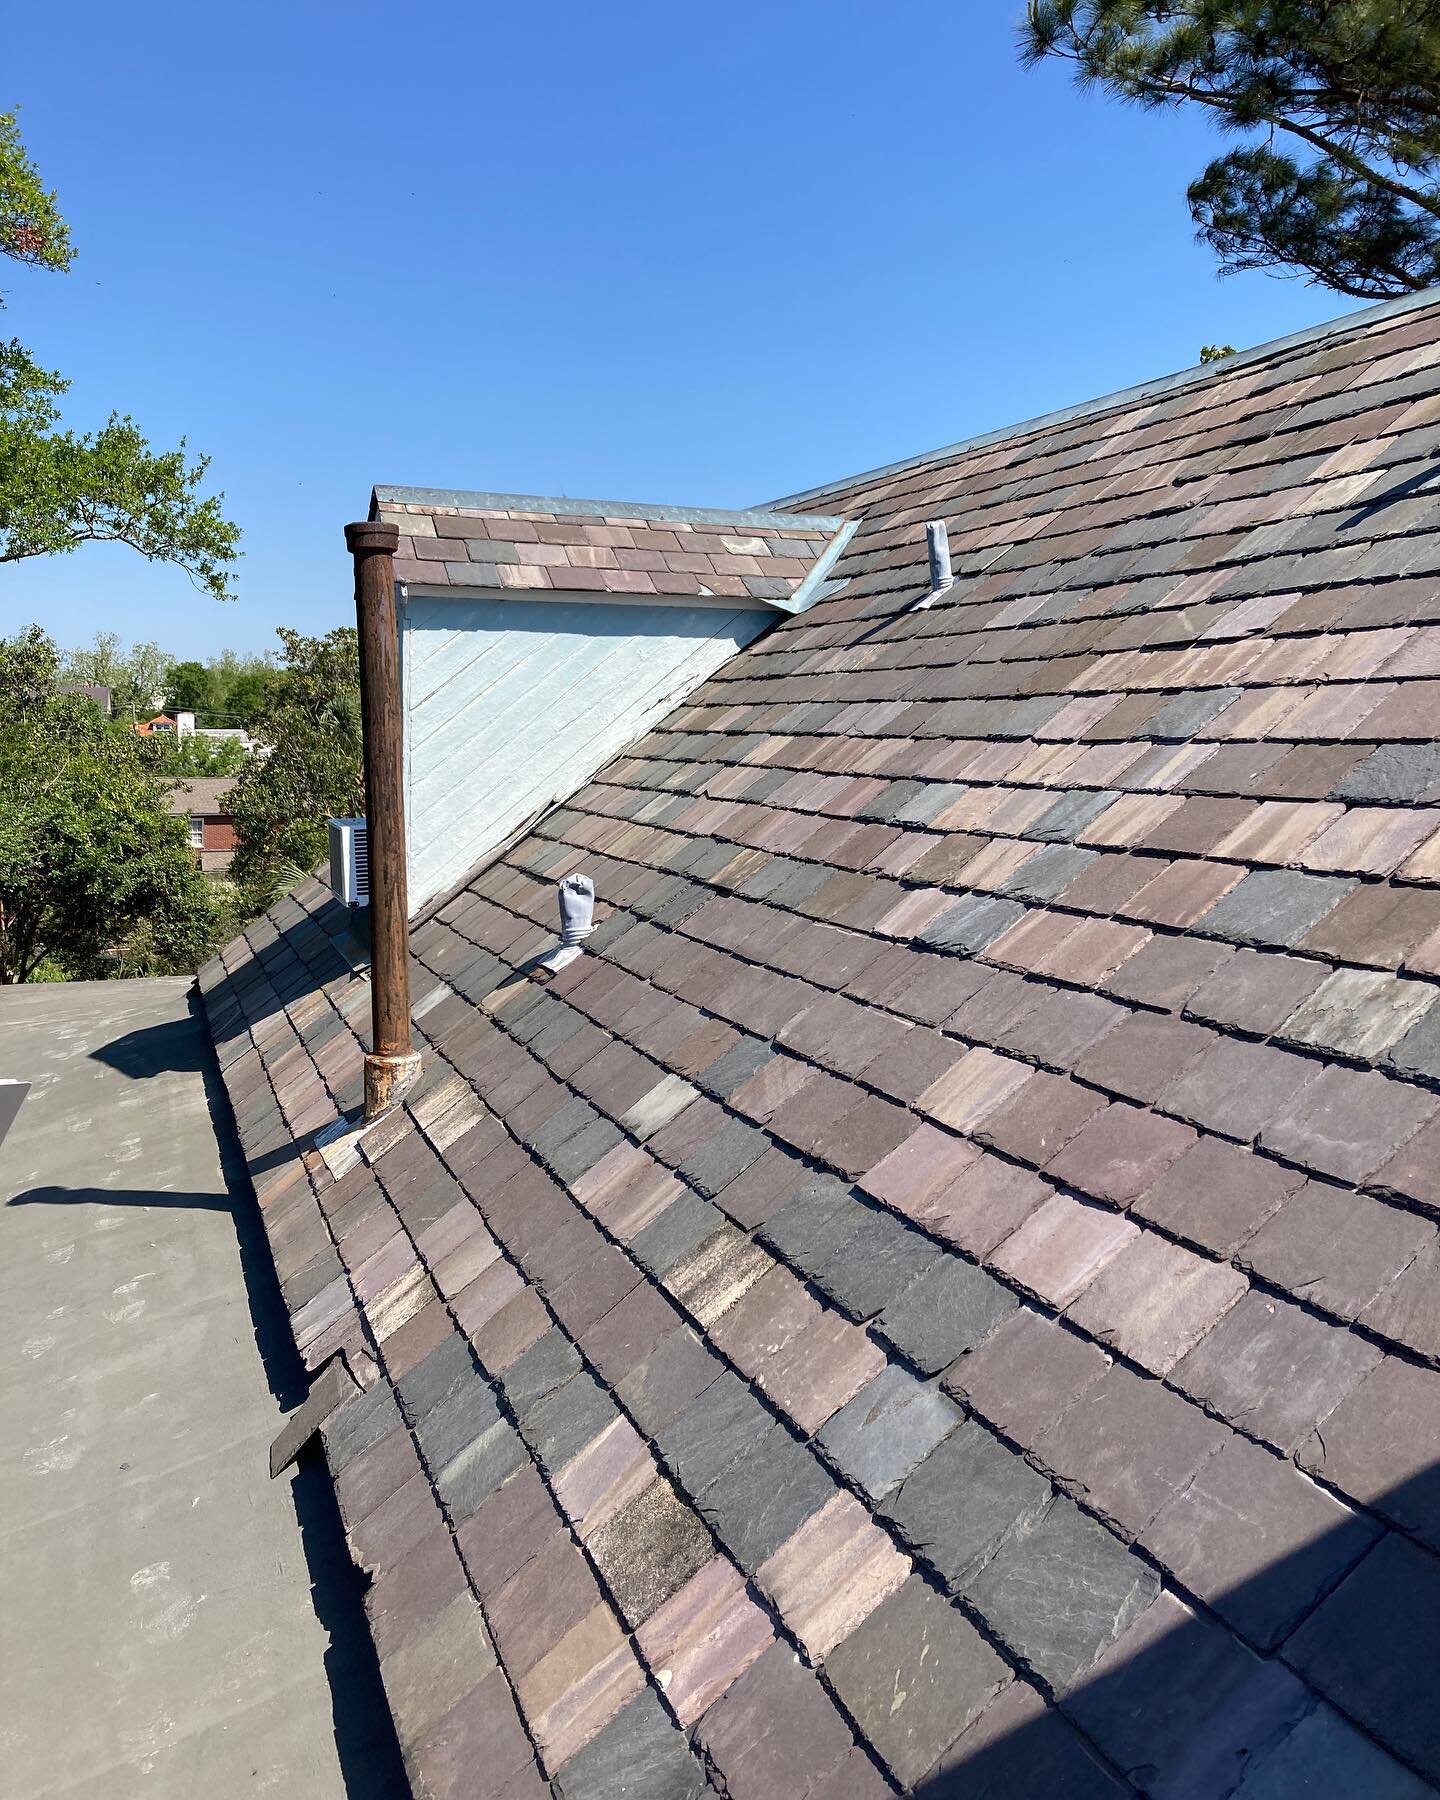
(635, 251)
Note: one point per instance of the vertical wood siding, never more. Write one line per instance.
(512, 704)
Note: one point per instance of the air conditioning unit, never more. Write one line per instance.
(350, 862)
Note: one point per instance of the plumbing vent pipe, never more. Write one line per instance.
(576, 894)
(937, 544)
(577, 909)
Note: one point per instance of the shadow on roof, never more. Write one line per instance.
(172, 1046)
(1189, 1711)
(1400, 491)
(63, 1196)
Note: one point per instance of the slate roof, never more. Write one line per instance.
(944, 1295)
(527, 541)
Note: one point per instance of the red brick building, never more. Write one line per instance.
(212, 828)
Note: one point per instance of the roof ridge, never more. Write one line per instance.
(1153, 388)
(484, 501)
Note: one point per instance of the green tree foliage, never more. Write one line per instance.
(310, 722)
(96, 876)
(1341, 102)
(31, 229)
(60, 489)
(247, 697)
(1213, 353)
(190, 687)
(193, 755)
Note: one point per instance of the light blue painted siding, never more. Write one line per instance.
(512, 704)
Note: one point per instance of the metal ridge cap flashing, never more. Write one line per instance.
(615, 509)
(1155, 388)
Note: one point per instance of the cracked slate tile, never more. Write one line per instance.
(952, 1307)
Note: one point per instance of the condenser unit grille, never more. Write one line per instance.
(350, 862)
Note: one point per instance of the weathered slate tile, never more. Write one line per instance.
(1127, 1446)
(715, 1275)
(1335, 1248)
(1027, 1375)
(1274, 1370)
(876, 1263)
(703, 1638)
(1059, 1589)
(765, 1496)
(1379, 1446)
(724, 1156)
(1372, 1649)
(447, 1430)
(559, 1427)
(1274, 906)
(1155, 1301)
(1255, 990)
(1184, 1701)
(547, 1365)
(480, 1732)
(776, 1730)
(1325, 1755)
(832, 1573)
(813, 1223)
(913, 1676)
(1395, 772)
(676, 1371)
(880, 1435)
(359, 1424)
(1407, 1311)
(1257, 1540)
(953, 1307)
(1217, 1196)
(433, 1671)
(960, 1504)
(1021, 1745)
(641, 1753)
(678, 1231)
(713, 1431)
(1347, 1124)
(824, 1365)
(972, 923)
(448, 1368)
(649, 1549)
(1121, 1153)
(1062, 1247)
(474, 1473)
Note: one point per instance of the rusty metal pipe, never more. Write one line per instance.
(391, 1065)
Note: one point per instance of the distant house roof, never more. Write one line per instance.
(526, 542)
(944, 1294)
(161, 722)
(202, 794)
(89, 690)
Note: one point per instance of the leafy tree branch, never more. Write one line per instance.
(1354, 84)
(60, 489)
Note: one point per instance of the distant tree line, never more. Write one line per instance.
(97, 877)
(231, 688)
